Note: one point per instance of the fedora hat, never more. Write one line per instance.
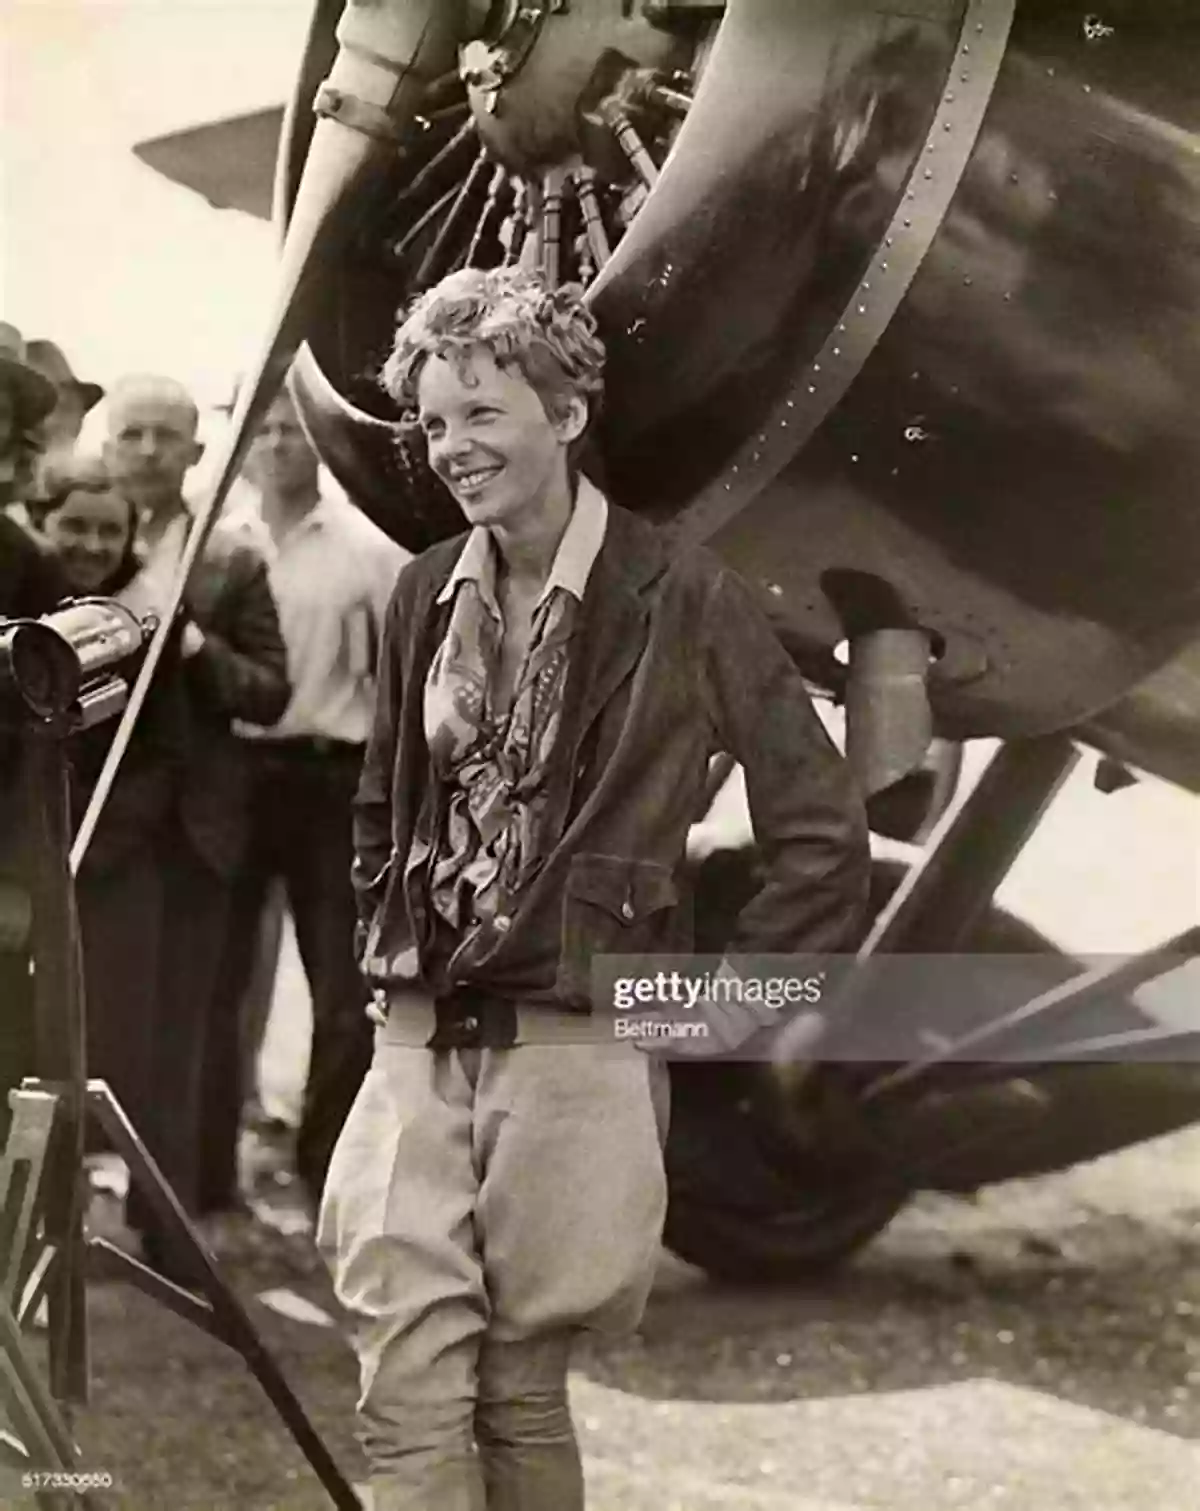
(35, 392)
(48, 359)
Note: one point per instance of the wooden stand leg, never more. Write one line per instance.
(43, 1434)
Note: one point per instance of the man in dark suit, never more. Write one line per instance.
(234, 667)
(30, 585)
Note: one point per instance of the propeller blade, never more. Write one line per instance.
(389, 54)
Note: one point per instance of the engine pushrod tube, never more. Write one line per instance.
(552, 204)
(432, 258)
(585, 189)
(461, 138)
(631, 144)
(496, 188)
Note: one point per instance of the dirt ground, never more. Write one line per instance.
(1037, 1349)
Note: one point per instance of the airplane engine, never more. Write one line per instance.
(900, 306)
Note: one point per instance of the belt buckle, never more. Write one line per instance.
(457, 1022)
(467, 1018)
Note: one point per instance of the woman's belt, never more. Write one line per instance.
(474, 1018)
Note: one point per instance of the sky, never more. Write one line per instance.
(128, 272)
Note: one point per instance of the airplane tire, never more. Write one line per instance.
(743, 1216)
(735, 1209)
(786, 1247)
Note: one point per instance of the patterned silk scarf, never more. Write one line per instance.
(496, 765)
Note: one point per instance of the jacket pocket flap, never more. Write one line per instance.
(628, 889)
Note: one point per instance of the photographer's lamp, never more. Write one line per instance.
(59, 666)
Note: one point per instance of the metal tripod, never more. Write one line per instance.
(44, 1254)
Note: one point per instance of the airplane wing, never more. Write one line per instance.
(230, 162)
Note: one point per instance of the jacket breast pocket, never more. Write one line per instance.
(613, 906)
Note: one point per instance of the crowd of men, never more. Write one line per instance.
(239, 775)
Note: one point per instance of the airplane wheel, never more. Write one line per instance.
(787, 1247)
(738, 1214)
(738, 1209)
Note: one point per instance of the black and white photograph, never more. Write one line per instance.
(600, 755)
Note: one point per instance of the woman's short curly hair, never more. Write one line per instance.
(546, 335)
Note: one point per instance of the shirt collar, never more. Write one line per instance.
(580, 544)
(315, 520)
(474, 564)
(573, 561)
(171, 539)
(245, 517)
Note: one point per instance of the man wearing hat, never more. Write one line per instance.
(29, 582)
(75, 398)
(29, 586)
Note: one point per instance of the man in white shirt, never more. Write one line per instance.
(332, 573)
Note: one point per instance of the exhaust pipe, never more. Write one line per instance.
(889, 721)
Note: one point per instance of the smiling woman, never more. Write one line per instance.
(91, 528)
(551, 689)
(503, 380)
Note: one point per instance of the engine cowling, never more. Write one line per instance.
(906, 293)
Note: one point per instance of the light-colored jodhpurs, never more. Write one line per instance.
(482, 1207)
